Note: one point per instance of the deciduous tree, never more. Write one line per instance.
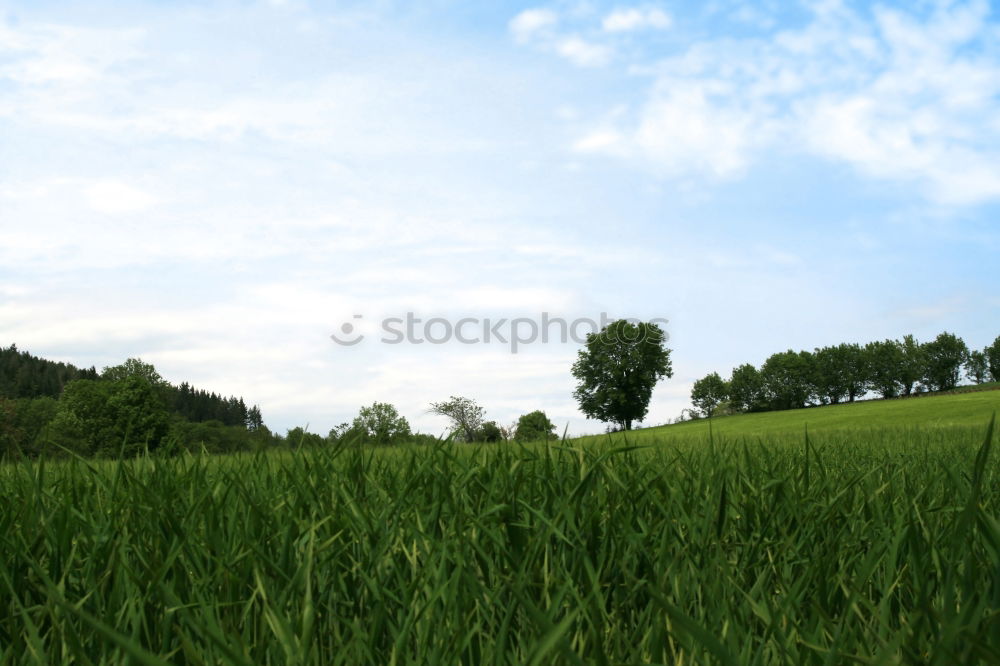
(466, 416)
(746, 388)
(534, 426)
(381, 424)
(976, 367)
(943, 360)
(617, 370)
(911, 370)
(993, 359)
(708, 392)
(885, 361)
(788, 379)
(831, 378)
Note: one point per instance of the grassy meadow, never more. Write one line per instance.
(959, 409)
(873, 540)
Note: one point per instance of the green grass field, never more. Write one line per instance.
(941, 411)
(877, 541)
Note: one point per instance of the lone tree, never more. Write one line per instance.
(466, 416)
(617, 370)
(708, 392)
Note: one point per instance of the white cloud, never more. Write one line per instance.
(524, 301)
(537, 26)
(112, 196)
(531, 22)
(46, 54)
(278, 199)
(899, 97)
(582, 52)
(601, 140)
(682, 131)
(624, 20)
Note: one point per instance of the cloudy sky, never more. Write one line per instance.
(218, 187)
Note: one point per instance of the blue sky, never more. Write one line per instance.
(217, 187)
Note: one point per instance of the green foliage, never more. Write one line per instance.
(141, 419)
(876, 548)
(993, 359)
(10, 434)
(424, 439)
(466, 417)
(339, 433)
(83, 424)
(617, 370)
(213, 437)
(746, 388)
(491, 432)
(381, 424)
(23, 375)
(885, 367)
(870, 417)
(200, 405)
(788, 379)
(856, 369)
(33, 415)
(121, 406)
(911, 370)
(133, 367)
(535, 427)
(830, 376)
(254, 420)
(708, 392)
(839, 372)
(943, 360)
(298, 438)
(107, 418)
(792, 380)
(976, 367)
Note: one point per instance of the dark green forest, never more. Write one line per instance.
(54, 408)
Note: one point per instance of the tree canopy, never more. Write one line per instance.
(617, 370)
(381, 423)
(708, 392)
(944, 357)
(466, 416)
(534, 426)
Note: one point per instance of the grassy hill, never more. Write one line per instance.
(964, 410)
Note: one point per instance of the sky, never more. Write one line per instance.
(217, 188)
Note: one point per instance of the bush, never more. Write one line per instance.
(490, 432)
(535, 426)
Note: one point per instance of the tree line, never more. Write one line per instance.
(381, 424)
(616, 372)
(47, 407)
(55, 409)
(846, 372)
